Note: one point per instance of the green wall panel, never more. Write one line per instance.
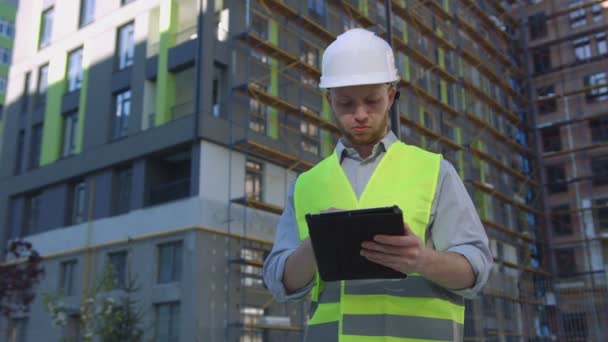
(165, 87)
(273, 87)
(364, 7)
(52, 131)
(7, 11)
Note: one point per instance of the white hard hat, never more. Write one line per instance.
(358, 57)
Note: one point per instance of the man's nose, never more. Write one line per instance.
(360, 112)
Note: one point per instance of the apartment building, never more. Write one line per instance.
(8, 10)
(568, 51)
(161, 136)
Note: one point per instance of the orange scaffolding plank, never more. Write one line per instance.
(470, 58)
(491, 293)
(427, 97)
(512, 117)
(575, 150)
(281, 55)
(298, 19)
(486, 19)
(437, 9)
(523, 268)
(420, 25)
(352, 12)
(419, 57)
(500, 137)
(430, 133)
(500, 165)
(257, 204)
(309, 115)
(506, 230)
(491, 191)
(272, 155)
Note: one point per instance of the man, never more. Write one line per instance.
(445, 249)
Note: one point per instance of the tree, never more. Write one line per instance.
(107, 312)
(18, 278)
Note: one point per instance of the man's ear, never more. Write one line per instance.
(392, 94)
(328, 98)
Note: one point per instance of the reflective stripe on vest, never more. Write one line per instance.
(379, 310)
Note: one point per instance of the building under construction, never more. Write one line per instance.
(161, 136)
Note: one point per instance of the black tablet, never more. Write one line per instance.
(337, 236)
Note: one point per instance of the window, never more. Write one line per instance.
(537, 25)
(43, 80)
(87, 12)
(598, 92)
(7, 28)
(257, 117)
(582, 49)
(35, 146)
(601, 214)
(75, 70)
(219, 77)
(169, 262)
(259, 27)
(253, 180)
(122, 112)
(2, 84)
(309, 54)
(596, 12)
(575, 326)
(316, 8)
(601, 44)
(66, 277)
(20, 150)
(126, 46)
(577, 17)
(489, 306)
(542, 60)
(166, 322)
(118, 260)
(78, 205)
(25, 99)
(599, 170)
(508, 309)
(20, 332)
(122, 191)
(551, 139)
(599, 129)
(561, 219)
(547, 102)
(70, 131)
(5, 56)
(556, 179)
(31, 215)
(310, 137)
(566, 262)
(46, 28)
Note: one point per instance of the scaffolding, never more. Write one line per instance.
(464, 87)
(568, 43)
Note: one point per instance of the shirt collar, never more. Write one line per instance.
(342, 150)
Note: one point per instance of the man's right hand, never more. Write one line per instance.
(300, 267)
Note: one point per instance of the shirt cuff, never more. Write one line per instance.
(275, 285)
(480, 267)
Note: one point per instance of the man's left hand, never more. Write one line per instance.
(403, 253)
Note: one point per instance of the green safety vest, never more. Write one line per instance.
(388, 310)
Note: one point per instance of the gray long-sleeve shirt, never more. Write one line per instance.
(454, 224)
